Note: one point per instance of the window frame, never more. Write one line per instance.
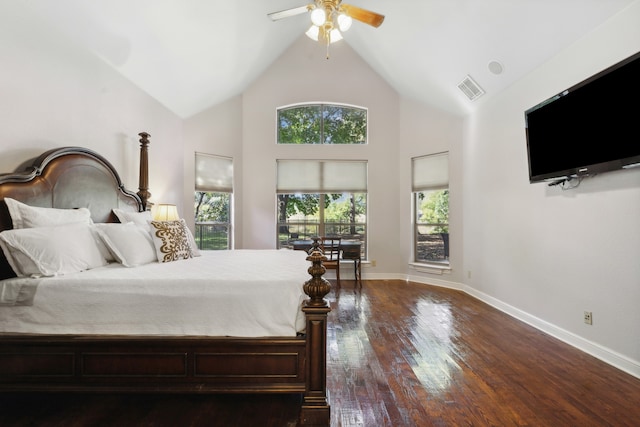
(429, 173)
(322, 140)
(307, 229)
(214, 174)
(343, 177)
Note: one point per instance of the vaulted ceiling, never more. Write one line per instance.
(193, 54)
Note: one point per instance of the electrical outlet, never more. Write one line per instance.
(373, 263)
(588, 318)
(468, 274)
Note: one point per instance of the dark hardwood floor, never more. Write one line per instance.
(399, 354)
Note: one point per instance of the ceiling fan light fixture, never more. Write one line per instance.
(325, 34)
(313, 33)
(330, 19)
(318, 16)
(344, 22)
(334, 36)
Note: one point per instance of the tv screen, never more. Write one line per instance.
(590, 128)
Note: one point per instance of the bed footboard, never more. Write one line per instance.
(150, 365)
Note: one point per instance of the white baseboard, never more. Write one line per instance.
(598, 351)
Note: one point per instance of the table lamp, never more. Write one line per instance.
(165, 212)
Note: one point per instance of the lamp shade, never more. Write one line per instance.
(165, 212)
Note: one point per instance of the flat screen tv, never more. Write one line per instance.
(590, 128)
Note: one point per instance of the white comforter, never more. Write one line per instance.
(240, 293)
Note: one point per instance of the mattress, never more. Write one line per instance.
(238, 293)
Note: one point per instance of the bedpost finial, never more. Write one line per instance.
(144, 138)
(317, 287)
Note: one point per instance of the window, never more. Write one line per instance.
(321, 198)
(213, 200)
(430, 186)
(322, 124)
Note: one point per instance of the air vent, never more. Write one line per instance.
(470, 88)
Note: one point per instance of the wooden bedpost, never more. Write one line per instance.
(144, 171)
(315, 406)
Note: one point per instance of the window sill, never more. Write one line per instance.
(431, 268)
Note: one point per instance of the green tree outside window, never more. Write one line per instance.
(322, 124)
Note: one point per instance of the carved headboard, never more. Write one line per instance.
(68, 178)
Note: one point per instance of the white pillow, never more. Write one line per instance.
(171, 240)
(25, 216)
(131, 244)
(140, 218)
(102, 246)
(51, 251)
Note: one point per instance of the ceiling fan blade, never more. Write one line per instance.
(363, 15)
(288, 12)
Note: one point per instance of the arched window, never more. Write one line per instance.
(322, 124)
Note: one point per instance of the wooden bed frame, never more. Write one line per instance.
(73, 177)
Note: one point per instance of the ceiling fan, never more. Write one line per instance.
(329, 18)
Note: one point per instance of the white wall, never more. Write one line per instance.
(544, 254)
(302, 74)
(54, 94)
(217, 131)
(423, 131)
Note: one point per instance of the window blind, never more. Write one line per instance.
(430, 172)
(321, 176)
(214, 173)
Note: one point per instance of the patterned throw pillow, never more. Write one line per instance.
(171, 240)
